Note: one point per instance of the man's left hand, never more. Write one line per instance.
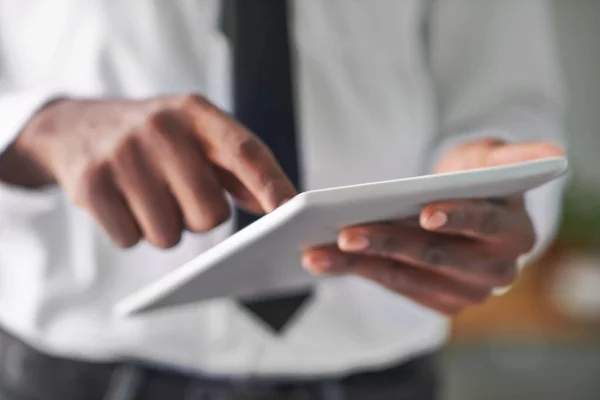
(457, 252)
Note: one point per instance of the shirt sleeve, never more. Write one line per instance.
(496, 74)
(16, 108)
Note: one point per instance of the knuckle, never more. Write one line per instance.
(386, 243)
(125, 151)
(127, 242)
(88, 183)
(155, 122)
(188, 99)
(248, 148)
(157, 130)
(191, 100)
(435, 254)
(163, 132)
(166, 241)
(219, 215)
(490, 220)
(208, 221)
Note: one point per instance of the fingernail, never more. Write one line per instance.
(317, 263)
(437, 220)
(354, 242)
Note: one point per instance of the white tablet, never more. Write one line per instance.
(264, 258)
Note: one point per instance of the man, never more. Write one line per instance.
(118, 146)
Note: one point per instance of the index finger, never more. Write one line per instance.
(234, 148)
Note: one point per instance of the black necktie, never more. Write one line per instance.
(263, 101)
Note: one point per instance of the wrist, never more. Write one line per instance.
(24, 163)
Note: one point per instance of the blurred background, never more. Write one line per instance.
(542, 340)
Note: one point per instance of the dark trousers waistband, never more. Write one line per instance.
(27, 374)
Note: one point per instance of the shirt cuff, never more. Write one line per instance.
(16, 109)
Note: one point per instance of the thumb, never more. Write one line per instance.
(521, 152)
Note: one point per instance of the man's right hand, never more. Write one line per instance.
(150, 169)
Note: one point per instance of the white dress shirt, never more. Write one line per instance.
(384, 87)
